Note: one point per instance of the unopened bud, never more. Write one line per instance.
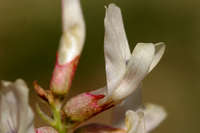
(70, 48)
(82, 107)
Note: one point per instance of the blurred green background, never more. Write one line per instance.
(30, 32)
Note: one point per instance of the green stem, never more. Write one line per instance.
(58, 125)
(56, 121)
(44, 116)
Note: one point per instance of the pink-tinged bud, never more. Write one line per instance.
(45, 130)
(70, 48)
(82, 107)
(62, 76)
(98, 128)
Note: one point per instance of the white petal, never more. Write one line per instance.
(8, 112)
(133, 102)
(154, 115)
(160, 49)
(116, 48)
(73, 37)
(71, 14)
(100, 91)
(25, 112)
(135, 122)
(15, 113)
(137, 69)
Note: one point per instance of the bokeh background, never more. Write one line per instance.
(30, 32)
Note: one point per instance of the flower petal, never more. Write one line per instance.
(25, 112)
(137, 69)
(73, 31)
(15, 113)
(160, 49)
(135, 122)
(133, 102)
(8, 114)
(153, 115)
(116, 48)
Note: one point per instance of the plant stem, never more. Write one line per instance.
(58, 125)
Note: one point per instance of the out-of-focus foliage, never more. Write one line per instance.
(30, 33)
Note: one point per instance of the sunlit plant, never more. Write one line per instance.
(125, 71)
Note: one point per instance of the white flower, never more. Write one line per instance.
(135, 122)
(125, 71)
(144, 120)
(16, 115)
(140, 121)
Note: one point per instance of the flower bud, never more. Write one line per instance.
(70, 48)
(82, 107)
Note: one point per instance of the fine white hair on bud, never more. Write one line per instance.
(73, 36)
(125, 71)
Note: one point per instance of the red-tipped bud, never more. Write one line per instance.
(62, 76)
(71, 44)
(82, 107)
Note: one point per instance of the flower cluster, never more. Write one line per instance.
(125, 71)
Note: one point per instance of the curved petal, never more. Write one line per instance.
(137, 69)
(135, 122)
(72, 15)
(8, 115)
(100, 91)
(116, 48)
(25, 113)
(73, 36)
(160, 49)
(15, 113)
(132, 102)
(153, 115)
